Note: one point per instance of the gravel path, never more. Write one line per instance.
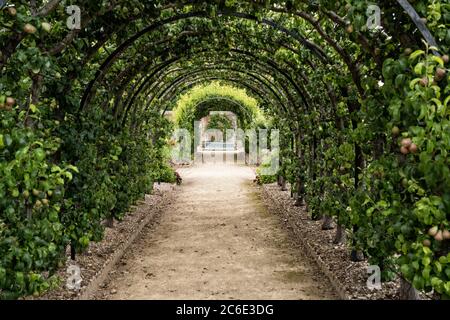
(217, 240)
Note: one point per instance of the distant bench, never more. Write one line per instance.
(219, 146)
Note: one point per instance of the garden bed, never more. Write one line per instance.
(97, 262)
(348, 278)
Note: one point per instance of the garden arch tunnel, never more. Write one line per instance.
(336, 89)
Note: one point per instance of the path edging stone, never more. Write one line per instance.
(104, 271)
(337, 286)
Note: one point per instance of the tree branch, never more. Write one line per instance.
(49, 7)
(33, 7)
(419, 23)
(64, 43)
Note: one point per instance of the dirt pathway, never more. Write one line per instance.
(217, 241)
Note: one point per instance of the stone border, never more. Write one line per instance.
(93, 286)
(348, 278)
(101, 257)
(323, 267)
(309, 250)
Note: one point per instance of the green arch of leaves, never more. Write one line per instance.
(193, 105)
(316, 71)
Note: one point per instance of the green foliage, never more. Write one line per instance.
(166, 174)
(46, 206)
(187, 111)
(261, 172)
(92, 153)
(420, 198)
(264, 179)
(32, 237)
(220, 122)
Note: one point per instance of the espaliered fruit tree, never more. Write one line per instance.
(362, 105)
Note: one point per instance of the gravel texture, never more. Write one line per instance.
(216, 241)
